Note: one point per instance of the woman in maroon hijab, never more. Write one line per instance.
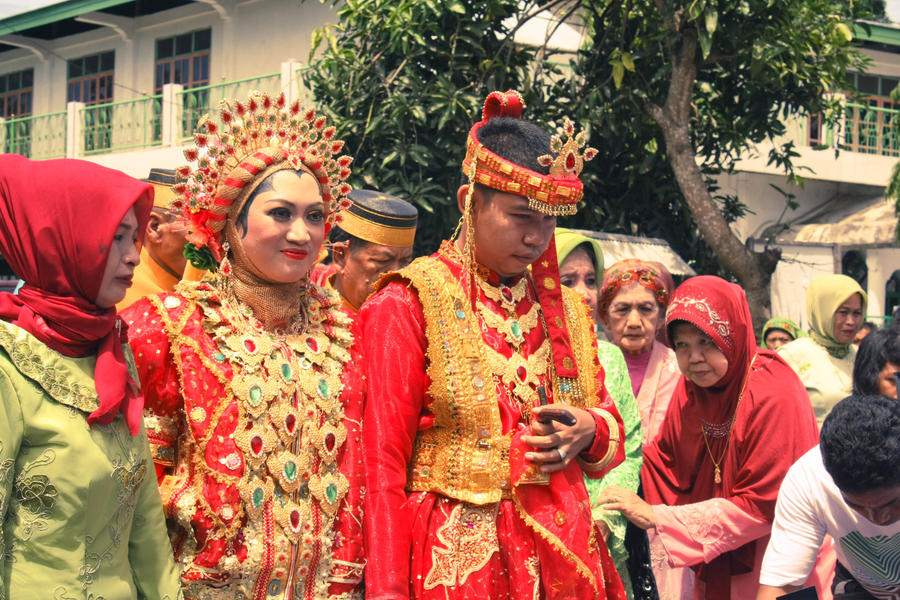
(80, 513)
(738, 419)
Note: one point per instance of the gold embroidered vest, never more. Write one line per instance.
(465, 455)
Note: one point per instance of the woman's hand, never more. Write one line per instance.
(629, 504)
(557, 442)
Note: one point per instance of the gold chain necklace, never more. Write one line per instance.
(717, 463)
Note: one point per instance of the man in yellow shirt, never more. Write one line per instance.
(162, 256)
(374, 236)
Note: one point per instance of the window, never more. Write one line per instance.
(184, 59)
(16, 93)
(90, 80)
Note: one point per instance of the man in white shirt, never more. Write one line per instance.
(849, 488)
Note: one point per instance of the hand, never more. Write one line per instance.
(558, 444)
(604, 529)
(629, 504)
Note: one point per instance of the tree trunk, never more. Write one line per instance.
(753, 270)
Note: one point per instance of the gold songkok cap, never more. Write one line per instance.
(379, 218)
(162, 181)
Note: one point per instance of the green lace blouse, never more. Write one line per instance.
(628, 474)
(81, 514)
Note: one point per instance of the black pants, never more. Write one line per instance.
(845, 587)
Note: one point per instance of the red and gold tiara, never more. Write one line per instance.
(557, 193)
(235, 152)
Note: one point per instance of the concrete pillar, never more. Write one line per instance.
(172, 110)
(290, 81)
(3, 148)
(74, 129)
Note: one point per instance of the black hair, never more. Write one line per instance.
(518, 141)
(868, 326)
(860, 443)
(338, 235)
(266, 185)
(875, 351)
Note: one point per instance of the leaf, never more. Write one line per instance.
(705, 40)
(712, 19)
(627, 61)
(456, 7)
(618, 73)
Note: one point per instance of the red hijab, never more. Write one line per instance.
(57, 222)
(774, 424)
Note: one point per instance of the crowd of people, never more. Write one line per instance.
(231, 381)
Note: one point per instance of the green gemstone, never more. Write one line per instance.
(290, 470)
(323, 388)
(286, 371)
(460, 314)
(255, 395)
(258, 496)
(331, 493)
(219, 356)
(516, 329)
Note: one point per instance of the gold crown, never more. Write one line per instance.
(566, 157)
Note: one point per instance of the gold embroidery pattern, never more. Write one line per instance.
(289, 431)
(720, 325)
(35, 496)
(469, 538)
(465, 455)
(514, 329)
(47, 368)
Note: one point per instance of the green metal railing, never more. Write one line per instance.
(871, 129)
(124, 125)
(37, 136)
(198, 101)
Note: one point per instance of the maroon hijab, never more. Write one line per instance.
(57, 222)
(773, 423)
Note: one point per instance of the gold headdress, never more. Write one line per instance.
(234, 154)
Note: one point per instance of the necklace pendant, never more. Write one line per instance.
(516, 329)
(718, 475)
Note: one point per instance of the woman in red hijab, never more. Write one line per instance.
(80, 514)
(738, 419)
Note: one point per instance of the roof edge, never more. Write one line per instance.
(53, 13)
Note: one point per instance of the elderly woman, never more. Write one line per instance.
(779, 331)
(631, 307)
(836, 307)
(79, 510)
(252, 379)
(737, 422)
(580, 262)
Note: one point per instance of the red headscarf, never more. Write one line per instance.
(57, 222)
(773, 423)
(650, 274)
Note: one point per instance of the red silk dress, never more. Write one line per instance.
(256, 439)
(432, 530)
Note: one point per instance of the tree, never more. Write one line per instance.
(660, 83)
(713, 77)
(403, 81)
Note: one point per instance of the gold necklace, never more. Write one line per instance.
(513, 328)
(716, 463)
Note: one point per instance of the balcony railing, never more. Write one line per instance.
(869, 128)
(198, 101)
(37, 136)
(126, 125)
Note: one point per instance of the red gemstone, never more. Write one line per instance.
(570, 161)
(290, 422)
(295, 519)
(521, 373)
(330, 440)
(256, 444)
(506, 293)
(250, 345)
(313, 344)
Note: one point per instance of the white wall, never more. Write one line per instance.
(254, 38)
(799, 265)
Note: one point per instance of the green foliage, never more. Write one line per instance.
(403, 81)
